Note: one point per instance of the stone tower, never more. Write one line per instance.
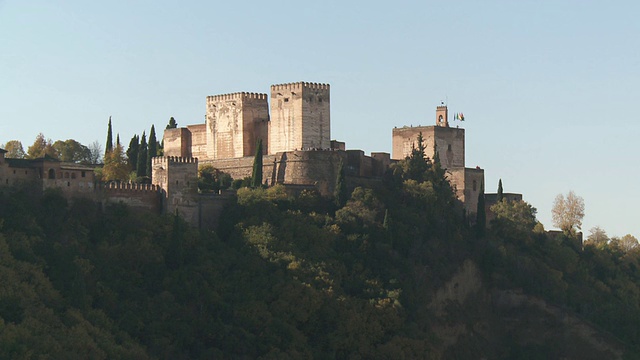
(449, 142)
(234, 123)
(178, 179)
(299, 117)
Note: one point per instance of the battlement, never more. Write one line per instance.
(237, 96)
(299, 86)
(134, 187)
(174, 159)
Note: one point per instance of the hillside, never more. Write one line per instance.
(392, 272)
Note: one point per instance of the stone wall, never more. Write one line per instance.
(198, 141)
(300, 117)
(468, 184)
(139, 196)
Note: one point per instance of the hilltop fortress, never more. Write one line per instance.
(294, 124)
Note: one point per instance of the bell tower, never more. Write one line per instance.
(442, 116)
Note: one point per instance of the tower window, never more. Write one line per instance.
(449, 147)
(475, 185)
(286, 99)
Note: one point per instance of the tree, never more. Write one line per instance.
(41, 147)
(597, 236)
(95, 150)
(481, 215)
(567, 213)
(14, 149)
(109, 145)
(141, 168)
(256, 175)
(417, 162)
(628, 243)
(132, 152)
(152, 149)
(172, 123)
(516, 215)
(72, 151)
(115, 166)
(500, 191)
(340, 192)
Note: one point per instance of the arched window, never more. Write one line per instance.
(52, 174)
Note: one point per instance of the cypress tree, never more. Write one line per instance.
(152, 149)
(109, 146)
(481, 215)
(141, 169)
(340, 192)
(256, 176)
(500, 193)
(132, 152)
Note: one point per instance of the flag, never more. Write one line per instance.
(461, 117)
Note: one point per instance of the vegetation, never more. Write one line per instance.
(256, 175)
(567, 213)
(300, 277)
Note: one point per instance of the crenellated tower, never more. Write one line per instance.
(234, 123)
(300, 117)
(178, 179)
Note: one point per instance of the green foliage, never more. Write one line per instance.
(132, 153)
(212, 179)
(72, 151)
(141, 168)
(500, 191)
(115, 166)
(256, 175)
(152, 150)
(340, 193)
(172, 123)
(41, 147)
(14, 149)
(109, 146)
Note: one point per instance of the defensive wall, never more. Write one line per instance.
(317, 168)
(449, 142)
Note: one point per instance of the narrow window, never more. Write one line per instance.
(475, 185)
(449, 147)
(83, 174)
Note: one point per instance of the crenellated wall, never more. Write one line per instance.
(138, 196)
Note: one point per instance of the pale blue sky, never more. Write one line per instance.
(547, 87)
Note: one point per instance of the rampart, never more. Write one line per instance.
(138, 196)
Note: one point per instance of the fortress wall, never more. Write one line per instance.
(211, 208)
(316, 116)
(139, 196)
(468, 183)
(319, 168)
(178, 177)
(240, 168)
(198, 141)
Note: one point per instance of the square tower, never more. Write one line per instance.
(449, 142)
(299, 117)
(234, 123)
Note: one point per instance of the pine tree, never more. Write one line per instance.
(340, 192)
(152, 149)
(109, 146)
(481, 215)
(132, 153)
(256, 176)
(141, 169)
(500, 193)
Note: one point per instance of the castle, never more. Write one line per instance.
(293, 123)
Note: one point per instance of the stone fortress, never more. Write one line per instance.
(293, 123)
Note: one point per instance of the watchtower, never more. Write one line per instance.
(234, 123)
(300, 117)
(178, 179)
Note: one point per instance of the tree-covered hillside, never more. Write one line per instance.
(395, 272)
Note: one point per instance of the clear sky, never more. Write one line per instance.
(547, 87)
